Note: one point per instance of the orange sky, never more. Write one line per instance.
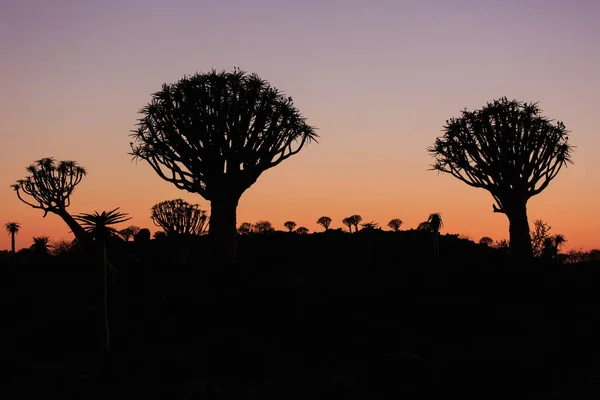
(378, 83)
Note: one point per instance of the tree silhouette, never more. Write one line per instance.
(541, 232)
(302, 231)
(13, 228)
(395, 224)
(290, 225)
(424, 226)
(356, 219)
(41, 245)
(263, 227)
(551, 246)
(324, 222)
(178, 217)
(50, 185)
(348, 222)
(159, 235)
(214, 134)
(98, 225)
(435, 224)
(129, 232)
(509, 149)
(245, 228)
(369, 226)
(486, 241)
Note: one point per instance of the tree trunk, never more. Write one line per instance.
(520, 240)
(80, 233)
(13, 246)
(222, 228)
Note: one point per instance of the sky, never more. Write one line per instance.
(378, 79)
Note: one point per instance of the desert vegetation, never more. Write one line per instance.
(211, 307)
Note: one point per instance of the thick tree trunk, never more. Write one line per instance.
(222, 228)
(80, 233)
(520, 239)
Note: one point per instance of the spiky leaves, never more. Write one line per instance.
(214, 134)
(178, 217)
(509, 149)
(98, 225)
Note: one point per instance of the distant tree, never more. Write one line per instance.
(424, 226)
(324, 222)
(290, 225)
(129, 232)
(486, 241)
(41, 245)
(348, 223)
(541, 232)
(159, 235)
(302, 231)
(435, 224)
(356, 219)
(509, 149)
(12, 228)
(50, 185)
(178, 217)
(99, 226)
(63, 247)
(395, 224)
(245, 228)
(502, 244)
(263, 227)
(370, 226)
(214, 134)
(551, 247)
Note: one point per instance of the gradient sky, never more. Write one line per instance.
(377, 78)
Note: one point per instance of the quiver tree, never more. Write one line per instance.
(395, 224)
(348, 222)
(509, 149)
(263, 227)
(355, 220)
(50, 185)
(290, 225)
(129, 232)
(325, 222)
(214, 134)
(178, 217)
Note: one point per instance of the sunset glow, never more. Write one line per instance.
(377, 79)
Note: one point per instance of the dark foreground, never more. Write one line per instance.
(289, 330)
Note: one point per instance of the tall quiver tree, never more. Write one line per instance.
(214, 134)
(509, 149)
(50, 185)
(178, 217)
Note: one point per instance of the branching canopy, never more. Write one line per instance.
(218, 131)
(506, 147)
(177, 217)
(50, 184)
